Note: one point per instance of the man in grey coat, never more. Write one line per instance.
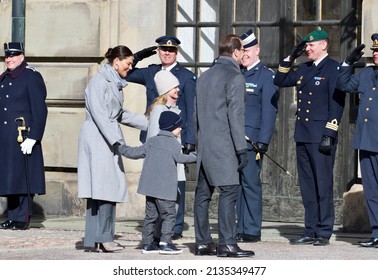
(222, 149)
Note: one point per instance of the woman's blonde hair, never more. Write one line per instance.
(162, 99)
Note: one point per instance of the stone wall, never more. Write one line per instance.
(65, 40)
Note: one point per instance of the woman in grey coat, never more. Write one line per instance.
(101, 175)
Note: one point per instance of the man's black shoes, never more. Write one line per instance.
(372, 243)
(206, 250)
(8, 224)
(176, 236)
(233, 251)
(321, 241)
(242, 237)
(304, 240)
(308, 240)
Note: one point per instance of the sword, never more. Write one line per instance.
(22, 128)
(275, 162)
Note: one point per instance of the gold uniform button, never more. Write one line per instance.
(370, 98)
(365, 120)
(306, 119)
(300, 92)
(308, 102)
(310, 93)
(298, 118)
(300, 100)
(307, 111)
(299, 109)
(367, 109)
(373, 88)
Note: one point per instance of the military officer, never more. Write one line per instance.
(167, 49)
(319, 111)
(365, 82)
(260, 117)
(22, 103)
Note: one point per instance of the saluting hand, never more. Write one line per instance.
(147, 52)
(355, 55)
(297, 51)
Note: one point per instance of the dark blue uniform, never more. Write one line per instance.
(22, 94)
(185, 102)
(319, 110)
(365, 82)
(260, 117)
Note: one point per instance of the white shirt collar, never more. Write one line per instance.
(316, 62)
(169, 68)
(253, 65)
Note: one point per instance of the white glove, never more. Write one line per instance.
(27, 146)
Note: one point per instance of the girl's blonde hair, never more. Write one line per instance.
(162, 99)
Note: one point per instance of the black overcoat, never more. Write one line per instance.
(22, 94)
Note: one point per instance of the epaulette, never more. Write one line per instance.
(31, 68)
(270, 69)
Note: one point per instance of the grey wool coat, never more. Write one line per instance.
(101, 173)
(219, 116)
(159, 173)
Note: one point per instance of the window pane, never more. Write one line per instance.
(270, 10)
(331, 9)
(201, 70)
(186, 11)
(246, 10)
(302, 31)
(239, 30)
(187, 37)
(334, 41)
(208, 45)
(306, 9)
(269, 45)
(209, 10)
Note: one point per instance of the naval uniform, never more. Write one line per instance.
(22, 94)
(365, 82)
(319, 111)
(260, 117)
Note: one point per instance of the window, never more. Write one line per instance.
(278, 24)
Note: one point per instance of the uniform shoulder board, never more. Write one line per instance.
(31, 68)
(270, 69)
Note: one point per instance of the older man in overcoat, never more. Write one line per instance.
(222, 149)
